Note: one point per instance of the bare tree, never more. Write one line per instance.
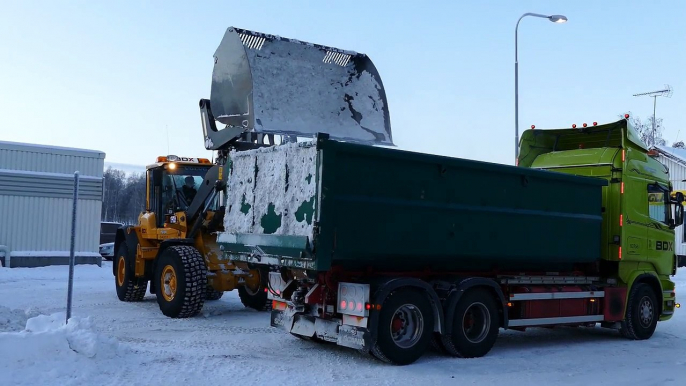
(645, 130)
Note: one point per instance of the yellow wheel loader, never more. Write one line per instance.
(173, 247)
(263, 87)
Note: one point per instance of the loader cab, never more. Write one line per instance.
(172, 183)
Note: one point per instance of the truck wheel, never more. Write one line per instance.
(475, 325)
(641, 313)
(213, 294)
(405, 327)
(181, 277)
(129, 288)
(253, 294)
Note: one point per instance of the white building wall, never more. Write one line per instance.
(677, 175)
(36, 189)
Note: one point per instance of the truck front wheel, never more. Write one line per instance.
(641, 313)
(405, 327)
(475, 325)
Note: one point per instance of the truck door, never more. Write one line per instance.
(660, 236)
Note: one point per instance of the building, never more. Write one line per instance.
(675, 160)
(36, 197)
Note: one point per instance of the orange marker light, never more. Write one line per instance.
(622, 188)
(623, 155)
(621, 220)
(620, 253)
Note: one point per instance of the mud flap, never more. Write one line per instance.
(353, 337)
(282, 320)
(273, 85)
(303, 325)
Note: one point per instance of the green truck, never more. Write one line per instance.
(390, 252)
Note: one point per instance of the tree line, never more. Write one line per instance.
(124, 197)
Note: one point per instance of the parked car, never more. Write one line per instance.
(108, 230)
(107, 251)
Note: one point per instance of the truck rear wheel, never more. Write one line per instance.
(181, 277)
(405, 328)
(641, 313)
(254, 295)
(129, 288)
(475, 325)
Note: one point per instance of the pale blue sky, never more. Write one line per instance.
(112, 75)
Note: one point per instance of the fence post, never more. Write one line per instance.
(73, 240)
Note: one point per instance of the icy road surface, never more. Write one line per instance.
(115, 343)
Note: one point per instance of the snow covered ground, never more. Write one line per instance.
(108, 342)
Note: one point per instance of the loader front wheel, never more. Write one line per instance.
(181, 277)
(129, 288)
(213, 294)
(254, 293)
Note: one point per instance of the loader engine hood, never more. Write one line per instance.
(273, 85)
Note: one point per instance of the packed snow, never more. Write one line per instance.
(108, 342)
(277, 181)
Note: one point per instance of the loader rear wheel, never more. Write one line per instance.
(256, 296)
(213, 294)
(641, 313)
(405, 327)
(475, 325)
(129, 288)
(181, 277)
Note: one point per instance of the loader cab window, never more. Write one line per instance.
(181, 184)
(658, 206)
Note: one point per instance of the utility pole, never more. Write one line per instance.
(666, 92)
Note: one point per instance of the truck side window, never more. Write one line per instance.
(657, 204)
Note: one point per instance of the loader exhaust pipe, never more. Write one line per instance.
(273, 85)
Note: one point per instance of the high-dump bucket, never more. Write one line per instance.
(273, 85)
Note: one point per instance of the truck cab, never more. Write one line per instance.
(640, 208)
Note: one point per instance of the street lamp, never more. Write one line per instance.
(554, 19)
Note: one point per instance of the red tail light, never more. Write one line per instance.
(344, 304)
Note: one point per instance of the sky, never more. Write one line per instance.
(125, 77)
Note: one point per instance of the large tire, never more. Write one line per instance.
(405, 327)
(257, 299)
(129, 288)
(475, 325)
(181, 277)
(641, 313)
(213, 294)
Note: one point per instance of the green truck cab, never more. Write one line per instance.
(639, 210)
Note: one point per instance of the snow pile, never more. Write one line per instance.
(272, 190)
(49, 348)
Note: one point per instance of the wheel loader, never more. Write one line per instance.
(173, 247)
(264, 89)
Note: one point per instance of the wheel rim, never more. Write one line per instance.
(475, 322)
(121, 271)
(646, 312)
(407, 325)
(168, 281)
(252, 282)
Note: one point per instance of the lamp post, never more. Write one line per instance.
(554, 19)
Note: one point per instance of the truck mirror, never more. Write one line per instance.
(679, 197)
(678, 215)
